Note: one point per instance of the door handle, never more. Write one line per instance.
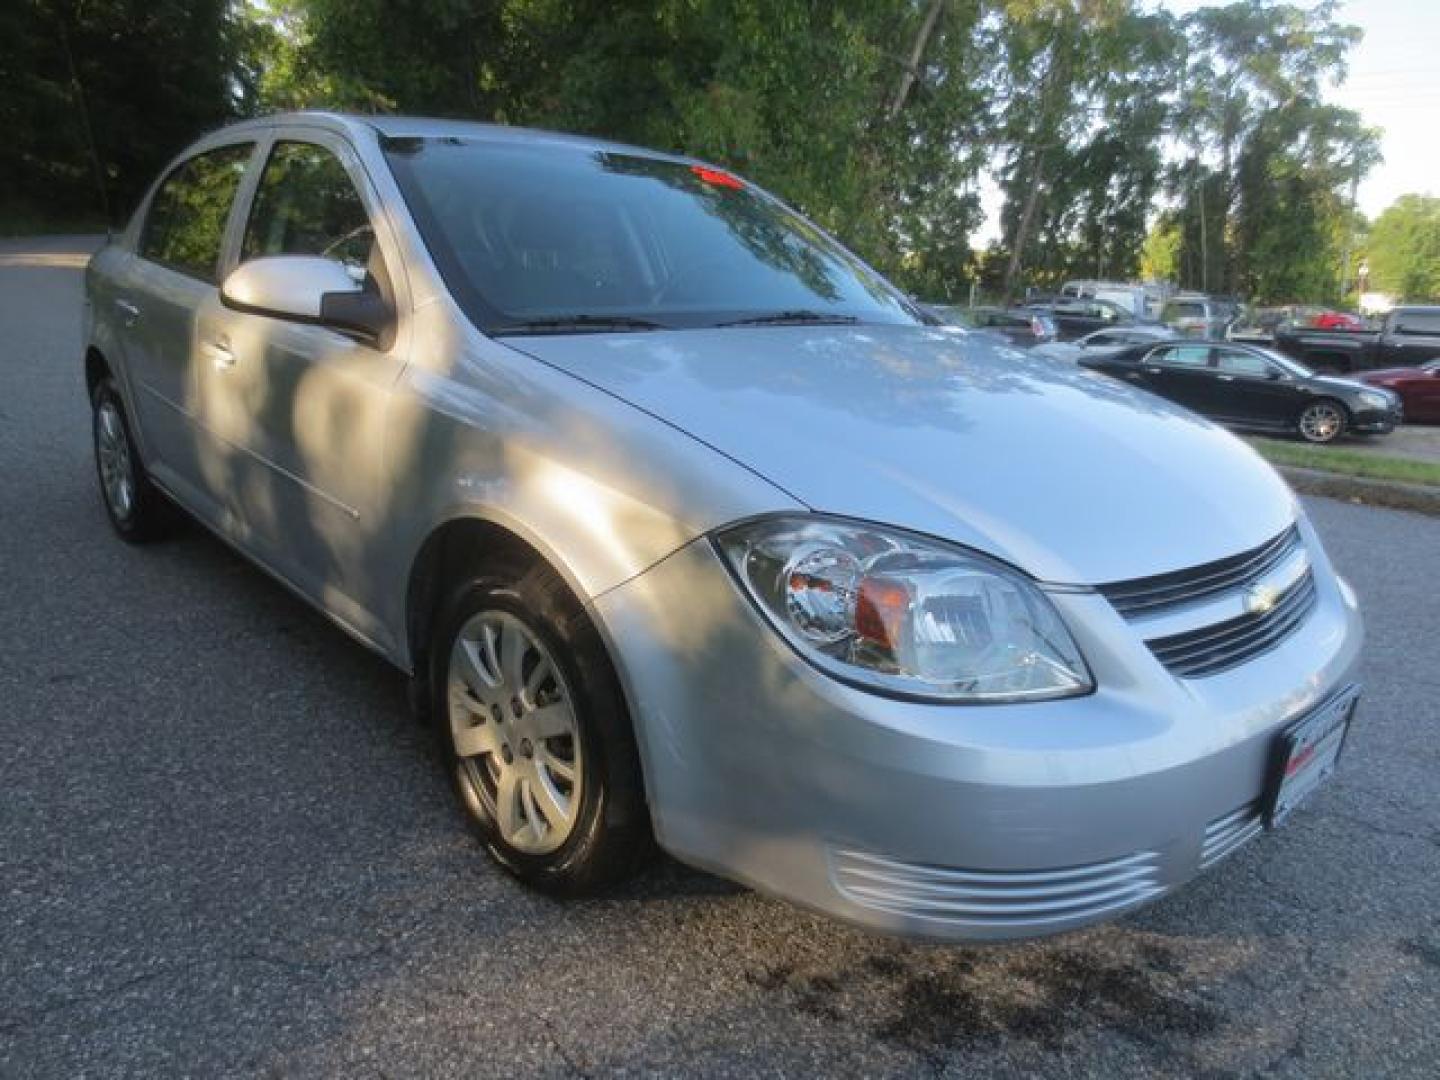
(1152, 371)
(219, 354)
(129, 312)
(1226, 378)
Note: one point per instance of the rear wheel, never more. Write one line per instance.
(536, 733)
(136, 508)
(1322, 421)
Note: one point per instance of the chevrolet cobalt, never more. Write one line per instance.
(688, 528)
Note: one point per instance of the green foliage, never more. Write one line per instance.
(99, 93)
(1262, 193)
(1160, 257)
(1077, 106)
(1404, 249)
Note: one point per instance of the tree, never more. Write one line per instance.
(1084, 105)
(100, 93)
(1404, 249)
(1261, 185)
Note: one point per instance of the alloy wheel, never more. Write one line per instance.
(117, 471)
(1321, 422)
(514, 730)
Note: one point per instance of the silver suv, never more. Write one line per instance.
(1192, 315)
(684, 524)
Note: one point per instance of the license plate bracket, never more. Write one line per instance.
(1306, 754)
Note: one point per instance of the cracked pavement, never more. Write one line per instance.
(225, 850)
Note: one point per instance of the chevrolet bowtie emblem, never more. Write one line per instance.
(1259, 599)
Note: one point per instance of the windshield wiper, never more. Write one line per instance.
(798, 317)
(564, 324)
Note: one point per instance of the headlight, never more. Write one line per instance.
(1373, 399)
(905, 615)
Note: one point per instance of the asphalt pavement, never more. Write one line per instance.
(226, 850)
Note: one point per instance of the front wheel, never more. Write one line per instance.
(536, 733)
(1322, 421)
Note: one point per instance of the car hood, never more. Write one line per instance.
(1068, 474)
(1337, 383)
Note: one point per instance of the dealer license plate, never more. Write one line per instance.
(1307, 753)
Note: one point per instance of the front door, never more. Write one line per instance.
(1252, 391)
(297, 412)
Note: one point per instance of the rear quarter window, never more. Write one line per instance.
(1184, 311)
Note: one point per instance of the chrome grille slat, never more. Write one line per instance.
(995, 897)
(1166, 603)
(1226, 645)
(1152, 594)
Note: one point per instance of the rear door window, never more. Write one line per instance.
(185, 226)
(1418, 322)
(1187, 356)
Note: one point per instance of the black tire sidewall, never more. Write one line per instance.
(132, 526)
(607, 812)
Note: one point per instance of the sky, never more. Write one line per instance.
(1394, 83)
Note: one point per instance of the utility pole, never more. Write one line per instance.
(1349, 236)
(917, 54)
(1204, 244)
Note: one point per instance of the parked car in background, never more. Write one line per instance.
(1018, 327)
(1418, 387)
(1337, 320)
(685, 525)
(1076, 318)
(1257, 326)
(1408, 337)
(1195, 316)
(1100, 342)
(1253, 388)
(1142, 302)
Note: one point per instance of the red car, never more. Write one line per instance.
(1337, 320)
(1418, 387)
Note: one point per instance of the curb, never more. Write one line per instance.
(1391, 494)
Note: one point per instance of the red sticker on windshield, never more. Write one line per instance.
(716, 178)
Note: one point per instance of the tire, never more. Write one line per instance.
(511, 728)
(137, 510)
(1322, 421)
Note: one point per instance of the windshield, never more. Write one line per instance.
(545, 237)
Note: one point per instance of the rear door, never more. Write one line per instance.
(1181, 373)
(173, 272)
(1252, 391)
(298, 412)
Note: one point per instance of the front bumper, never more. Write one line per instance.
(1376, 421)
(952, 822)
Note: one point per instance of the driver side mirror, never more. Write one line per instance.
(307, 289)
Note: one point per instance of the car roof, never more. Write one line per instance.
(387, 126)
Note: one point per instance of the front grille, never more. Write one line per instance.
(996, 898)
(1224, 645)
(1228, 834)
(1149, 595)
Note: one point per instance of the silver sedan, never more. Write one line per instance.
(687, 527)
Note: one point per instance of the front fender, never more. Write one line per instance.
(602, 490)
